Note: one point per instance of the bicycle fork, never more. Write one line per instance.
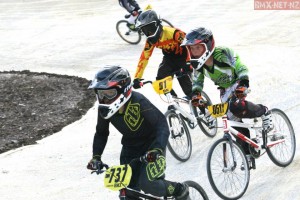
(227, 136)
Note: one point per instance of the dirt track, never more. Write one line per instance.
(36, 105)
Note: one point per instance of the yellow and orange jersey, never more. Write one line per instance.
(169, 43)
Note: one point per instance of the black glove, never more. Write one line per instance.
(137, 83)
(95, 163)
(187, 68)
(152, 155)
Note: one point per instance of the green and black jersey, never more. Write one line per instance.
(226, 70)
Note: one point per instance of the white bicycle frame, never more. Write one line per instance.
(228, 128)
(179, 109)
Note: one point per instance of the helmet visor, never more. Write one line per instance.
(150, 29)
(109, 94)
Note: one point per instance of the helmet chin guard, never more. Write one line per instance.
(108, 110)
(203, 58)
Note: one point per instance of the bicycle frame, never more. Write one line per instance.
(228, 129)
(124, 193)
(174, 104)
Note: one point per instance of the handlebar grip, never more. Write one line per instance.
(145, 82)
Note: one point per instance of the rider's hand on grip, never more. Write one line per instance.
(241, 92)
(152, 155)
(197, 100)
(137, 83)
(187, 68)
(95, 163)
(242, 88)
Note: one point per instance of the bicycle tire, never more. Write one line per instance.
(220, 177)
(204, 128)
(132, 37)
(179, 142)
(166, 23)
(283, 153)
(195, 189)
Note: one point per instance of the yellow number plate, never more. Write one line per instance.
(218, 110)
(163, 86)
(117, 177)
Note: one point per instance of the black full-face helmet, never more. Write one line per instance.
(112, 85)
(200, 36)
(150, 24)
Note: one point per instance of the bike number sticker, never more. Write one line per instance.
(163, 86)
(117, 177)
(218, 110)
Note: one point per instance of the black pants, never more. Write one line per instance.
(245, 109)
(168, 67)
(139, 180)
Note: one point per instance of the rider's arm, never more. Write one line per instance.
(240, 69)
(157, 122)
(198, 81)
(101, 135)
(146, 54)
(233, 59)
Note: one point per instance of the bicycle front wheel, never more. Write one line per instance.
(281, 154)
(196, 191)
(228, 179)
(180, 142)
(209, 124)
(130, 35)
(166, 23)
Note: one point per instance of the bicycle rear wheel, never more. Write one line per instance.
(196, 191)
(180, 142)
(132, 36)
(281, 154)
(210, 132)
(166, 23)
(228, 179)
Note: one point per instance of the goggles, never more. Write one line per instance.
(109, 94)
(150, 29)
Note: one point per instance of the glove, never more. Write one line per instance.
(241, 92)
(152, 155)
(197, 100)
(242, 88)
(95, 163)
(186, 68)
(137, 83)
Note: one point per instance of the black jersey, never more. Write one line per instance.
(141, 123)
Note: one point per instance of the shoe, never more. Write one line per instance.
(182, 191)
(251, 162)
(127, 16)
(267, 122)
(210, 120)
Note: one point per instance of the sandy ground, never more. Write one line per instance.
(75, 37)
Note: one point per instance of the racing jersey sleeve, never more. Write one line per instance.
(101, 135)
(198, 81)
(144, 58)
